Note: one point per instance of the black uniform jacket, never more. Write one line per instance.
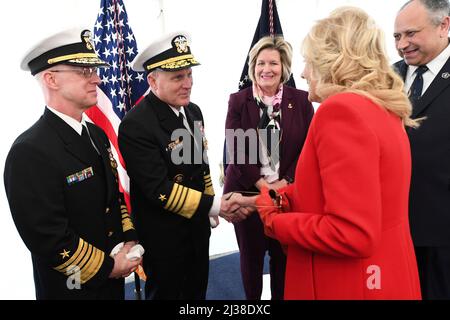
(429, 205)
(170, 200)
(65, 202)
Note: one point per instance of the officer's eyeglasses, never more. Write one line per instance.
(86, 72)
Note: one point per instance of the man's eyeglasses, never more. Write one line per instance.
(86, 72)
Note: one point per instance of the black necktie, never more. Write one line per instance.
(85, 134)
(415, 92)
(86, 137)
(181, 119)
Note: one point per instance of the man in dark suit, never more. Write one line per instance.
(421, 37)
(164, 147)
(61, 181)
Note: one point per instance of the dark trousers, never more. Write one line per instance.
(434, 272)
(183, 278)
(253, 244)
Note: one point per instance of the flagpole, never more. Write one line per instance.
(161, 17)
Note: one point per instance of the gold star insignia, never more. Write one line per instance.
(65, 254)
(162, 197)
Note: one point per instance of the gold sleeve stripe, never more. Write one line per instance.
(125, 216)
(80, 260)
(181, 200)
(191, 204)
(81, 250)
(92, 266)
(209, 191)
(85, 259)
(127, 225)
(86, 265)
(172, 196)
(176, 198)
(86, 252)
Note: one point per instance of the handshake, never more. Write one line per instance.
(234, 207)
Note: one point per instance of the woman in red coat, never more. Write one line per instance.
(344, 223)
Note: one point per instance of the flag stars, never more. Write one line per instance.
(100, 12)
(121, 10)
(110, 24)
(122, 92)
(106, 53)
(107, 38)
(113, 93)
(130, 37)
(140, 76)
(111, 8)
(96, 39)
(98, 25)
(121, 106)
(130, 51)
(113, 79)
(105, 80)
(114, 65)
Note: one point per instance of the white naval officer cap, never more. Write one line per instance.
(72, 47)
(171, 52)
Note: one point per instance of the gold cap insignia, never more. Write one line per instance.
(86, 37)
(181, 44)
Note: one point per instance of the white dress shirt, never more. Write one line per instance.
(434, 67)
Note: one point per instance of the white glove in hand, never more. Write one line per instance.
(135, 252)
(116, 249)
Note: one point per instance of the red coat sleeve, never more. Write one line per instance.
(346, 151)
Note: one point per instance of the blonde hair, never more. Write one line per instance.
(346, 52)
(275, 43)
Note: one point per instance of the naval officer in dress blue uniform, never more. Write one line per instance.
(170, 184)
(61, 180)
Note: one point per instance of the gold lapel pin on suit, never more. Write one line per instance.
(290, 106)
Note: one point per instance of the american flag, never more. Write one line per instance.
(121, 88)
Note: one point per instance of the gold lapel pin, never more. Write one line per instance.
(290, 106)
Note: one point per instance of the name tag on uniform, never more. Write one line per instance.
(80, 176)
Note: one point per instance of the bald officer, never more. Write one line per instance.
(164, 147)
(61, 180)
